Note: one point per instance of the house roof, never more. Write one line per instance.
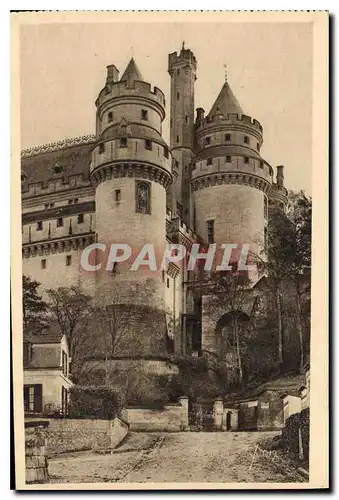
(50, 335)
(73, 160)
(226, 103)
(131, 73)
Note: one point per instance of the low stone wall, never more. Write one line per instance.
(295, 435)
(170, 418)
(68, 435)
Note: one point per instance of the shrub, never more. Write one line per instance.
(94, 402)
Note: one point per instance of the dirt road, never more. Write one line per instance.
(178, 457)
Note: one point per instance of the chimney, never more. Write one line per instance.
(200, 116)
(280, 176)
(112, 74)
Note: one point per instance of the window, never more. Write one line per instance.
(207, 141)
(123, 142)
(64, 400)
(51, 205)
(178, 72)
(210, 231)
(39, 226)
(60, 222)
(68, 260)
(265, 207)
(227, 137)
(33, 398)
(165, 152)
(258, 146)
(209, 161)
(168, 283)
(228, 159)
(246, 139)
(178, 96)
(246, 159)
(110, 117)
(70, 202)
(76, 200)
(117, 194)
(101, 148)
(148, 144)
(64, 363)
(143, 197)
(80, 218)
(27, 352)
(177, 138)
(261, 164)
(186, 118)
(43, 263)
(144, 114)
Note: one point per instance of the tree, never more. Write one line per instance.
(34, 307)
(71, 309)
(276, 263)
(300, 213)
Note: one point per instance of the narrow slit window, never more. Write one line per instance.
(227, 137)
(210, 231)
(43, 264)
(123, 142)
(228, 159)
(144, 114)
(117, 196)
(101, 148)
(246, 159)
(80, 218)
(39, 226)
(60, 222)
(148, 144)
(110, 117)
(68, 260)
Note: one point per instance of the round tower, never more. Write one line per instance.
(131, 170)
(230, 179)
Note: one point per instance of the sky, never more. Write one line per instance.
(269, 65)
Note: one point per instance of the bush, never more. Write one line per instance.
(94, 402)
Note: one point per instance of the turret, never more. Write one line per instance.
(182, 68)
(131, 170)
(230, 179)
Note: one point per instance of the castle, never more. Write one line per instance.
(126, 185)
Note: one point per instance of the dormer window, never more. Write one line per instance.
(144, 114)
(58, 169)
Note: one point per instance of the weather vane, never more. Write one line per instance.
(225, 69)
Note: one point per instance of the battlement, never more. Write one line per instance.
(185, 56)
(137, 89)
(230, 119)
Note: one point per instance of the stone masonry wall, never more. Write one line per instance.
(68, 435)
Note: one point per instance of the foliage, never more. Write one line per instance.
(35, 309)
(94, 402)
(71, 309)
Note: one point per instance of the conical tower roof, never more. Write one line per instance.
(226, 103)
(131, 73)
